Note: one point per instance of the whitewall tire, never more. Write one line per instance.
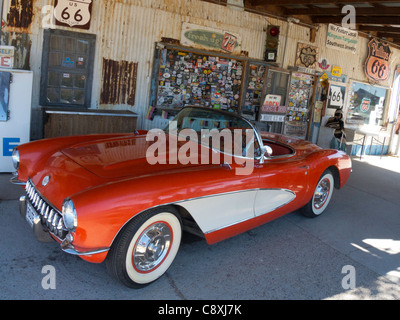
(321, 197)
(146, 247)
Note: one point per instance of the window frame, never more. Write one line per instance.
(91, 38)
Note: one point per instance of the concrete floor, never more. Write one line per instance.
(290, 258)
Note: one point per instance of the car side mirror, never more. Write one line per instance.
(266, 151)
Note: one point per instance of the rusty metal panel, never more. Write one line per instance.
(119, 82)
(20, 14)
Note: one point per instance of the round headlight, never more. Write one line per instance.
(69, 215)
(15, 158)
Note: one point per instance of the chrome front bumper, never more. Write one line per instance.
(41, 232)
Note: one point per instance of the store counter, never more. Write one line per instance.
(68, 122)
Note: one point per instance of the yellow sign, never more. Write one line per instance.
(324, 77)
(336, 71)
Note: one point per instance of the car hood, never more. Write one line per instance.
(121, 157)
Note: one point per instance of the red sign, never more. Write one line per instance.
(377, 62)
(229, 42)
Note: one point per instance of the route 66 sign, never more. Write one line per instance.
(306, 56)
(73, 13)
(377, 62)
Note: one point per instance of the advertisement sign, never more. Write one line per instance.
(209, 38)
(73, 13)
(377, 62)
(342, 39)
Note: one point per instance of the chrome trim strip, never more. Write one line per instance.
(16, 181)
(70, 249)
(214, 195)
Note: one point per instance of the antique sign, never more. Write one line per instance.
(342, 39)
(6, 57)
(73, 13)
(209, 38)
(377, 66)
(307, 56)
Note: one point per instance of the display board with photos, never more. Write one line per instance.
(187, 78)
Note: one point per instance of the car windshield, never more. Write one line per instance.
(205, 121)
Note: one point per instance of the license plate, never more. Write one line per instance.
(31, 215)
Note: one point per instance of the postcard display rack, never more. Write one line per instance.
(254, 91)
(187, 78)
(298, 111)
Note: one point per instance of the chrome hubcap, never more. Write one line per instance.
(152, 247)
(321, 193)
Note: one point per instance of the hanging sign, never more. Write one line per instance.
(377, 66)
(342, 39)
(73, 13)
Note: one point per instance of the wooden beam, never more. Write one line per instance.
(392, 20)
(381, 11)
(388, 35)
(379, 29)
(308, 2)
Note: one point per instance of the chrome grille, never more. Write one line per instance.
(50, 216)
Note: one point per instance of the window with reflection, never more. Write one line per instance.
(367, 104)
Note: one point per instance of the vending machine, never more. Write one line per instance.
(15, 113)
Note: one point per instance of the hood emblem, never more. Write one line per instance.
(45, 181)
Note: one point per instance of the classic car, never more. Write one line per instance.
(126, 199)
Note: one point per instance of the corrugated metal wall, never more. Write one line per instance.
(128, 30)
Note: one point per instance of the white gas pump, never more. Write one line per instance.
(15, 113)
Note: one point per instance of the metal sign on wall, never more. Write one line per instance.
(73, 13)
(207, 38)
(377, 67)
(307, 56)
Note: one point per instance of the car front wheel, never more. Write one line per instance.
(146, 247)
(321, 197)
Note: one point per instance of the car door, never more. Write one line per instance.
(282, 183)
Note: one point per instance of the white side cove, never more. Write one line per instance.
(222, 210)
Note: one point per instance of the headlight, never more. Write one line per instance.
(69, 215)
(15, 158)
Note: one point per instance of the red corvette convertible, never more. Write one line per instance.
(126, 199)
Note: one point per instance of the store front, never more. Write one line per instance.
(277, 100)
(148, 61)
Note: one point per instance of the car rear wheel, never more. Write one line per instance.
(321, 197)
(146, 247)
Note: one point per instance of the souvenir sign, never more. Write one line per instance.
(336, 96)
(377, 62)
(365, 103)
(307, 56)
(323, 64)
(336, 71)
(73, 13)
